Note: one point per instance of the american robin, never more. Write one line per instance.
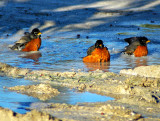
(97, 53)
(137, 46)
(29, 42)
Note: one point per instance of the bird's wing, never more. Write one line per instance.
(90, 50)
(130, 40)
(131, 47)
(24, 39)
(20, 44)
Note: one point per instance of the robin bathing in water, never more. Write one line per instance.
(29, 42)
(97, 53)
(137, 46)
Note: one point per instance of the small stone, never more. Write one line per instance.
(102, 113)
(110, 25)
(78, 36)
(82, 87)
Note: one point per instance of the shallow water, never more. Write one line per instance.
(64, 52)
(18, 102)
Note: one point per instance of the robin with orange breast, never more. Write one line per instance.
(28, 42)
(97, 53)
(137, 46)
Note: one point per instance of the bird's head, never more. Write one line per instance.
(99, 44)
(143, 40)
(36, 32)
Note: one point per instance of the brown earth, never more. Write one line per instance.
(136, 97)
(8, 115)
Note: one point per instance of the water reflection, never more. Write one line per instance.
(151, 26)
(141, 62)
(94, 66)
(32, 55)
(136, 61)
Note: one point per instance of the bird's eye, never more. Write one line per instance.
(143, 40)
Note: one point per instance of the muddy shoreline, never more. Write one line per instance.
(136, 91)
(136, 96)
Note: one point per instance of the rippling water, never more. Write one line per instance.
(64, 52)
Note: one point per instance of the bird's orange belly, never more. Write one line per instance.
(141, 51)
(98, 55)
(33, 45)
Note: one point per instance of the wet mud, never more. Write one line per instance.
(136, 97)
(146, 71)
(41, 91)
(8, 115)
